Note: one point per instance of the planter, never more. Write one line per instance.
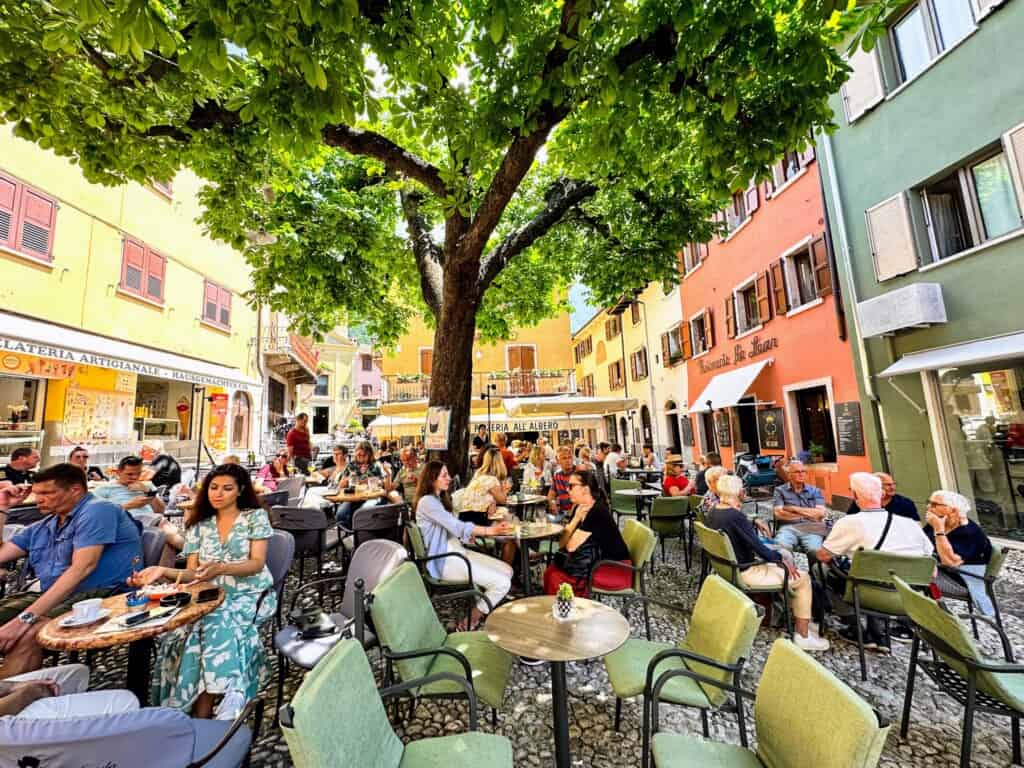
(562, 610)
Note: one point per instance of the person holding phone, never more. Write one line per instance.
(134, 495)
(222, 654)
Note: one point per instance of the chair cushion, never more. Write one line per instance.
(405, 619)
(672, 750)
(209, 732)
(627, 672)
(609, 578)
(472, 749)
(490, 664)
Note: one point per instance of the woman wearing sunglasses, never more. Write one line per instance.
(274, 470)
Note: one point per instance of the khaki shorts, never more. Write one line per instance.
(11, 607)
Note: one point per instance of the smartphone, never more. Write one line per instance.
(208, 594)
(131, 619)
(152, 493)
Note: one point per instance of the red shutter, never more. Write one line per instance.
(764, 301)
(821, 266)
(156, 267)
(225, 307)
(685, 342)
(210, 299)
(36, 225)
(709, 327)
(8, 212)
(134, 259)
(730, 318)
(807, 156)
(665, 351)
(778, 272)
(750, 198)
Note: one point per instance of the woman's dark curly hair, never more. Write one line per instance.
(247, 498)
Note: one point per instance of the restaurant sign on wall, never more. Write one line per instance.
(770, 429)
(741, 353)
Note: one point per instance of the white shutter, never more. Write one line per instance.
(864, 89)
(892, 241)
(984, 7)
(1013, 143)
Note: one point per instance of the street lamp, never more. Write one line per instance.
(486, 395)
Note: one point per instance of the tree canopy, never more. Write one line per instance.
(381, 157)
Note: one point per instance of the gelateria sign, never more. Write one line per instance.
(80, 357)
(741, 353)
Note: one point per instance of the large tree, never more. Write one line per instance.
(381, 157)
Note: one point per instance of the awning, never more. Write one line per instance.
(500, 421)
(23, 335)
(567, 405)
(959, 355)
(727, 389)
(396, 426)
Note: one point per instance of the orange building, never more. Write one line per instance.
(769, 367)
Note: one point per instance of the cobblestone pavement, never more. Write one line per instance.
(934, 738)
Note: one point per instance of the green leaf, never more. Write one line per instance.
(729, 107)
(497, 27)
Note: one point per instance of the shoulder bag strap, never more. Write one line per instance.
(885, 532)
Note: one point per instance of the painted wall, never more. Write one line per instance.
(665, 312)
(962, 104)
(338, 354)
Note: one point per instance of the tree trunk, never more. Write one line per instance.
(451, 377)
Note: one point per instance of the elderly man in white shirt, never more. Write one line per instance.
(872, 528)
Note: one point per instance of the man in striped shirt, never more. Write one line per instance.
(558, 496)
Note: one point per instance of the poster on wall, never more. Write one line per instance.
(686, 432)
(770, 429)
(93, 416)
(850, 429)
(722, 430)
(438, 426)
(217, 426)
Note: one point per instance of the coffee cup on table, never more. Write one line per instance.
(84, 610)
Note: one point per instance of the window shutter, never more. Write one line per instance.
(685, 342)
(664, 351)
(225, 306)
(611, 376)
(156, 266)
(807, 156)
(133, 266)
(719, 221)
(703, 250)
(36, 224)
(1013, 142)
(210, 298)
(730, 317)
(983, 7)
(514, 360)
(778, 276)
(764, 299)
(709, 328)
(864, 89)
(750, 197)
(8, 212)
(822, 268)
(892, 242)
(633, 372)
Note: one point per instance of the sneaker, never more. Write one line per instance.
(901, 634)
(230, 706)
(811, 643)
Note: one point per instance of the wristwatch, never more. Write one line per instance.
(27, 617)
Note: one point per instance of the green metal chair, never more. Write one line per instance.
(842, 732)
(718, 555)
(337, 717)
(871, 591)
(722, 628)
(669, 518)
(414, 539)
(413, 640)
(960, 670)
(953, 585)
(624, 505)
(641, 542)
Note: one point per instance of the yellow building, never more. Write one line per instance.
(119, 317)
(331, 401)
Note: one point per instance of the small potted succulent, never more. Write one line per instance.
(562, 608)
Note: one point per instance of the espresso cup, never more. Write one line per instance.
(84, 610)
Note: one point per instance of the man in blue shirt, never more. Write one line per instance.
(797, 505)
(83, 548)
(893, 502)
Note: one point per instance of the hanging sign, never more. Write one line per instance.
(438, 428)
(770, 429)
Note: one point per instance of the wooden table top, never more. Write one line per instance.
(57, 638)
(526, 627)
(340, 498)
(532, 531)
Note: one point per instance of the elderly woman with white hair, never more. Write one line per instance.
(728, 518)
(959, 543)
(710, 498)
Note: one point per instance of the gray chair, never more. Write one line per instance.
(313, 534)
(383, 521)
(296, 487)
(373, 562)
(280, 553)
(157, 737)
(153, 540)
(274, 499)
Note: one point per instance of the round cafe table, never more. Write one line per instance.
(524, 501)
(527, 628)
(530, 532)
(358, 496)
(639, 494)
(139, 639)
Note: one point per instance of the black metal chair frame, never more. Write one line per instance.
(253, 709)
(685, 535)
(962, 575)
(440, 588)
(379, 515)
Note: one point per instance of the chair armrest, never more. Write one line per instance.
(679, 653)
(408, 685)
(954, 571)
(655, 692)
(421, 652)
(469, 565)
(473, 592)
(255, 709)
(1003, 669)
(1007, 647)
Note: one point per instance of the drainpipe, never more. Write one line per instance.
(263, 379)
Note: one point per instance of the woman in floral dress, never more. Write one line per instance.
(221, 654)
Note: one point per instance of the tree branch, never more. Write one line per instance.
(661, 44)
(561, 197)
(396, 158)
(426, 251)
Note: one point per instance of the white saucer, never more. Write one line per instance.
(71, 622)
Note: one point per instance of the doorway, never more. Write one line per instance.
(708, 436)
(624, 431)
(746, 418)
(321, 420)
(645, 425)
(675, 438)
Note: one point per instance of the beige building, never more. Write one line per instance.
(331, 401)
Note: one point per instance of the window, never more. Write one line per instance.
(788, 168)
(584, 348)
(616, 379)
(142, 272)
(366, 362)
(587, 386)
(638, 364)
(701, 333)
(321, 388)
(27, 220)
(925, 31)
(974, 203)
(693, 255)
(343, 392)
(800, 277)
(612, 327)
(743, 204)
(521, 357)
(165, 188)
(634, 312)
(216, 304)
(367, 390)
(672, 346)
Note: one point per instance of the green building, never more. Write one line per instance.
(924, 184)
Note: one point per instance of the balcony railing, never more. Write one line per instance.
(398, 388)
(293, 353)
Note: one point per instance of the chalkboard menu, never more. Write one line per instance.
(771, 430)
(686, 431)
(722, 429)
(851, 430)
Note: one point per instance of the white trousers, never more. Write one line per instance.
(491, 576)
(314, 498)
(73, 700)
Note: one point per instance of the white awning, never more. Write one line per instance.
(566, 405)
(23, 335)
(957, 355)
(727, 389)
